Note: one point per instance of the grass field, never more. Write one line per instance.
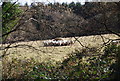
(56, 53)
(23, 56)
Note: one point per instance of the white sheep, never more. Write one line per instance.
(45, 43)
(58, 42)
(64, 42)
(53, 42)
(115, 42)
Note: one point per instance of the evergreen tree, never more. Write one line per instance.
(10, 17)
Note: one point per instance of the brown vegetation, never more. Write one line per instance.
(50, 21)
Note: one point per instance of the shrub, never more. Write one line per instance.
(16, 68)
(75, 68)
(81, 65)
(113, 52)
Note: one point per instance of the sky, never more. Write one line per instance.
(22, 2)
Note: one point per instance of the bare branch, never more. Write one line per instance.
(17, 27)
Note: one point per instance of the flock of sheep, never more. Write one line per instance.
(62, 42)
(58, 42)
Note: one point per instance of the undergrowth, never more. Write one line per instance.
(83, 65)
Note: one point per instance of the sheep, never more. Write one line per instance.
(64, 42)
(60, 43)
(57, 42)
(50, 43)
(115, 42)
(45, 43)
(53, 42)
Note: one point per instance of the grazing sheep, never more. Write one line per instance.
(65, 42)
(57, 42)
(53, 42)
(45, 43)
(115, 42)
(50, 43)
(60, 43)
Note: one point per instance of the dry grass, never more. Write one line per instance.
(58, 53)
(23, 58)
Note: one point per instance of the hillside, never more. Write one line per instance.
(41, 53)
(57, 20)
